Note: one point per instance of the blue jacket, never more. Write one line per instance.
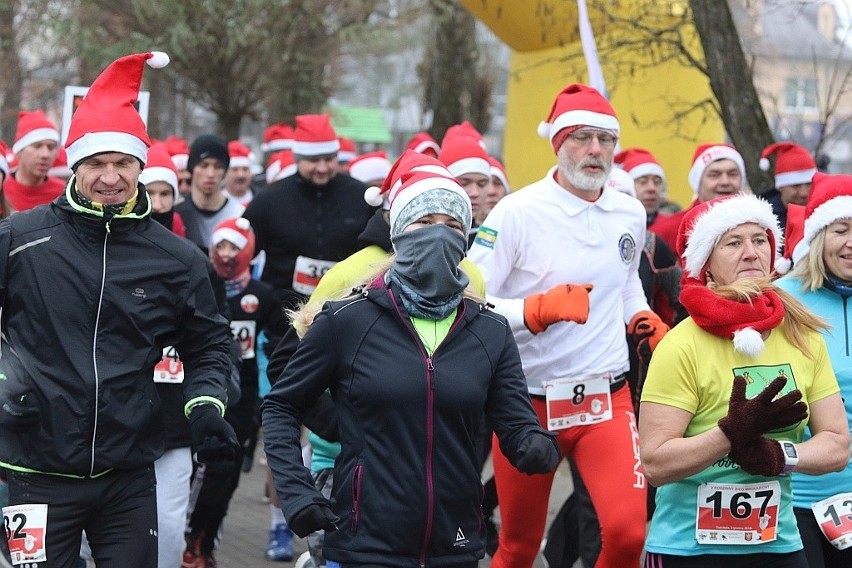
(837, 311)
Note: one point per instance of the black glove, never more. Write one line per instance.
(18, 411)
(538, 453)
(749, 418)
(314, 517)
(761, 456)
(213, 438)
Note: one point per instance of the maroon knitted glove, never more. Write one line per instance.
(761, 456)
(749, 418)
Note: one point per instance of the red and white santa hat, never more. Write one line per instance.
(425, 193)
(370, 166)
(347, 151)
(240, 155)
(423, 143)
(639, 162)
(621, 181)
(464, 155)
(578, 105)
(33, 126)
(498, 171)
(60, 167)
(409, 161)
(277, 137)
(281, 165)
(706, 154)
(238, 232)
(314, 136)
(4, 161)
(704, 224)
(465, 128)
(160, 167)
(178, 149)
(793, 164)
(830, 200)
(107, 120)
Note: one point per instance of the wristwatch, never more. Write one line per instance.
(791, 456)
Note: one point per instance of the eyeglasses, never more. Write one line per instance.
(584, 138)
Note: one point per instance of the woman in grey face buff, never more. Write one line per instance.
(412, 363)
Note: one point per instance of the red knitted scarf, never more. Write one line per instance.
(722, 317)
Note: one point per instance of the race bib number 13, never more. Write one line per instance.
(26, 529)
(834, 517)
(736, 513)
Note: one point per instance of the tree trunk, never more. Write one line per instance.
(733, 86)
(11, 79)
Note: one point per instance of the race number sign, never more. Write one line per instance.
(834, 517)
(170, 367)
(737, 513)
(26, 529)
(577, 402)
(245, 332)
(308, 272)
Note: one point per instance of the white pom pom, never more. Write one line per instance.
(764, 164)
(243, 223)
(783, 265)
(158, 60)
(748, 342)
(373, 196)
(543, 129)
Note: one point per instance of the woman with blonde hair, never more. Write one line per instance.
(822, 281)
(412, 366)
(728, 395)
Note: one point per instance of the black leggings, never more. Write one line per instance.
(759, 560)
(820, 552)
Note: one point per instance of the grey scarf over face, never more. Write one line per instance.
(426, 271)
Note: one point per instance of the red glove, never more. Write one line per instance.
(647, 327)
(564, 302)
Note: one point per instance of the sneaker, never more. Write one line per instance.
(192, 557)
(280, 546)
(305, 561)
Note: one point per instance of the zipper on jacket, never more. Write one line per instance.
(356, 495)
(846, 323)
(95, 348)
(430, 414)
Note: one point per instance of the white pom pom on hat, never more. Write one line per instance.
(158, 60)
(748, 341)
(373, 196)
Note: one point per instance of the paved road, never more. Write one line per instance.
(245, 533)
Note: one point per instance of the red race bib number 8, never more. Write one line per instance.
(577, 402)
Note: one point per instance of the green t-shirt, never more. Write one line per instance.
(694, 370)
(433, 332)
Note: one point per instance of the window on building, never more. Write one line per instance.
(800, 94)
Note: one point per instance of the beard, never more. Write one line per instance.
(572, 172)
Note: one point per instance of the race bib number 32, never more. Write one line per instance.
(736, 513)
(26, 528)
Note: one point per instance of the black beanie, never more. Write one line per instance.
(208, 146)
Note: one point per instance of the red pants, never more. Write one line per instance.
(607, 456)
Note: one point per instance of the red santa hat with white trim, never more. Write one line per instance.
(160, 167)
(347, 151)
(464, 155)
(33, 126)
(423, 143)
(639, 162)
(409, 161)
(794, 165)
(281, 165)
(240, 155)
(60, 165)
(178, 149)
(830, 200)
(498, 171)
(706, 154)
(620, 181)
(277, 137)
(314, 136)
(238, 232)
(577, 105)
(107, 120)
(465, 128)
(425, 193)
(4, 161)
(370, 166)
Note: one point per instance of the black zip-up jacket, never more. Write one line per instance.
(407, 482)
(87, 307)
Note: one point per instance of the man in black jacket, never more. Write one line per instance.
(92, 291)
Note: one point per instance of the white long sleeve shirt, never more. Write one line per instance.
(542, 236)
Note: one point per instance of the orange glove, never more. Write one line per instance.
(565, 302)
(647, 327)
